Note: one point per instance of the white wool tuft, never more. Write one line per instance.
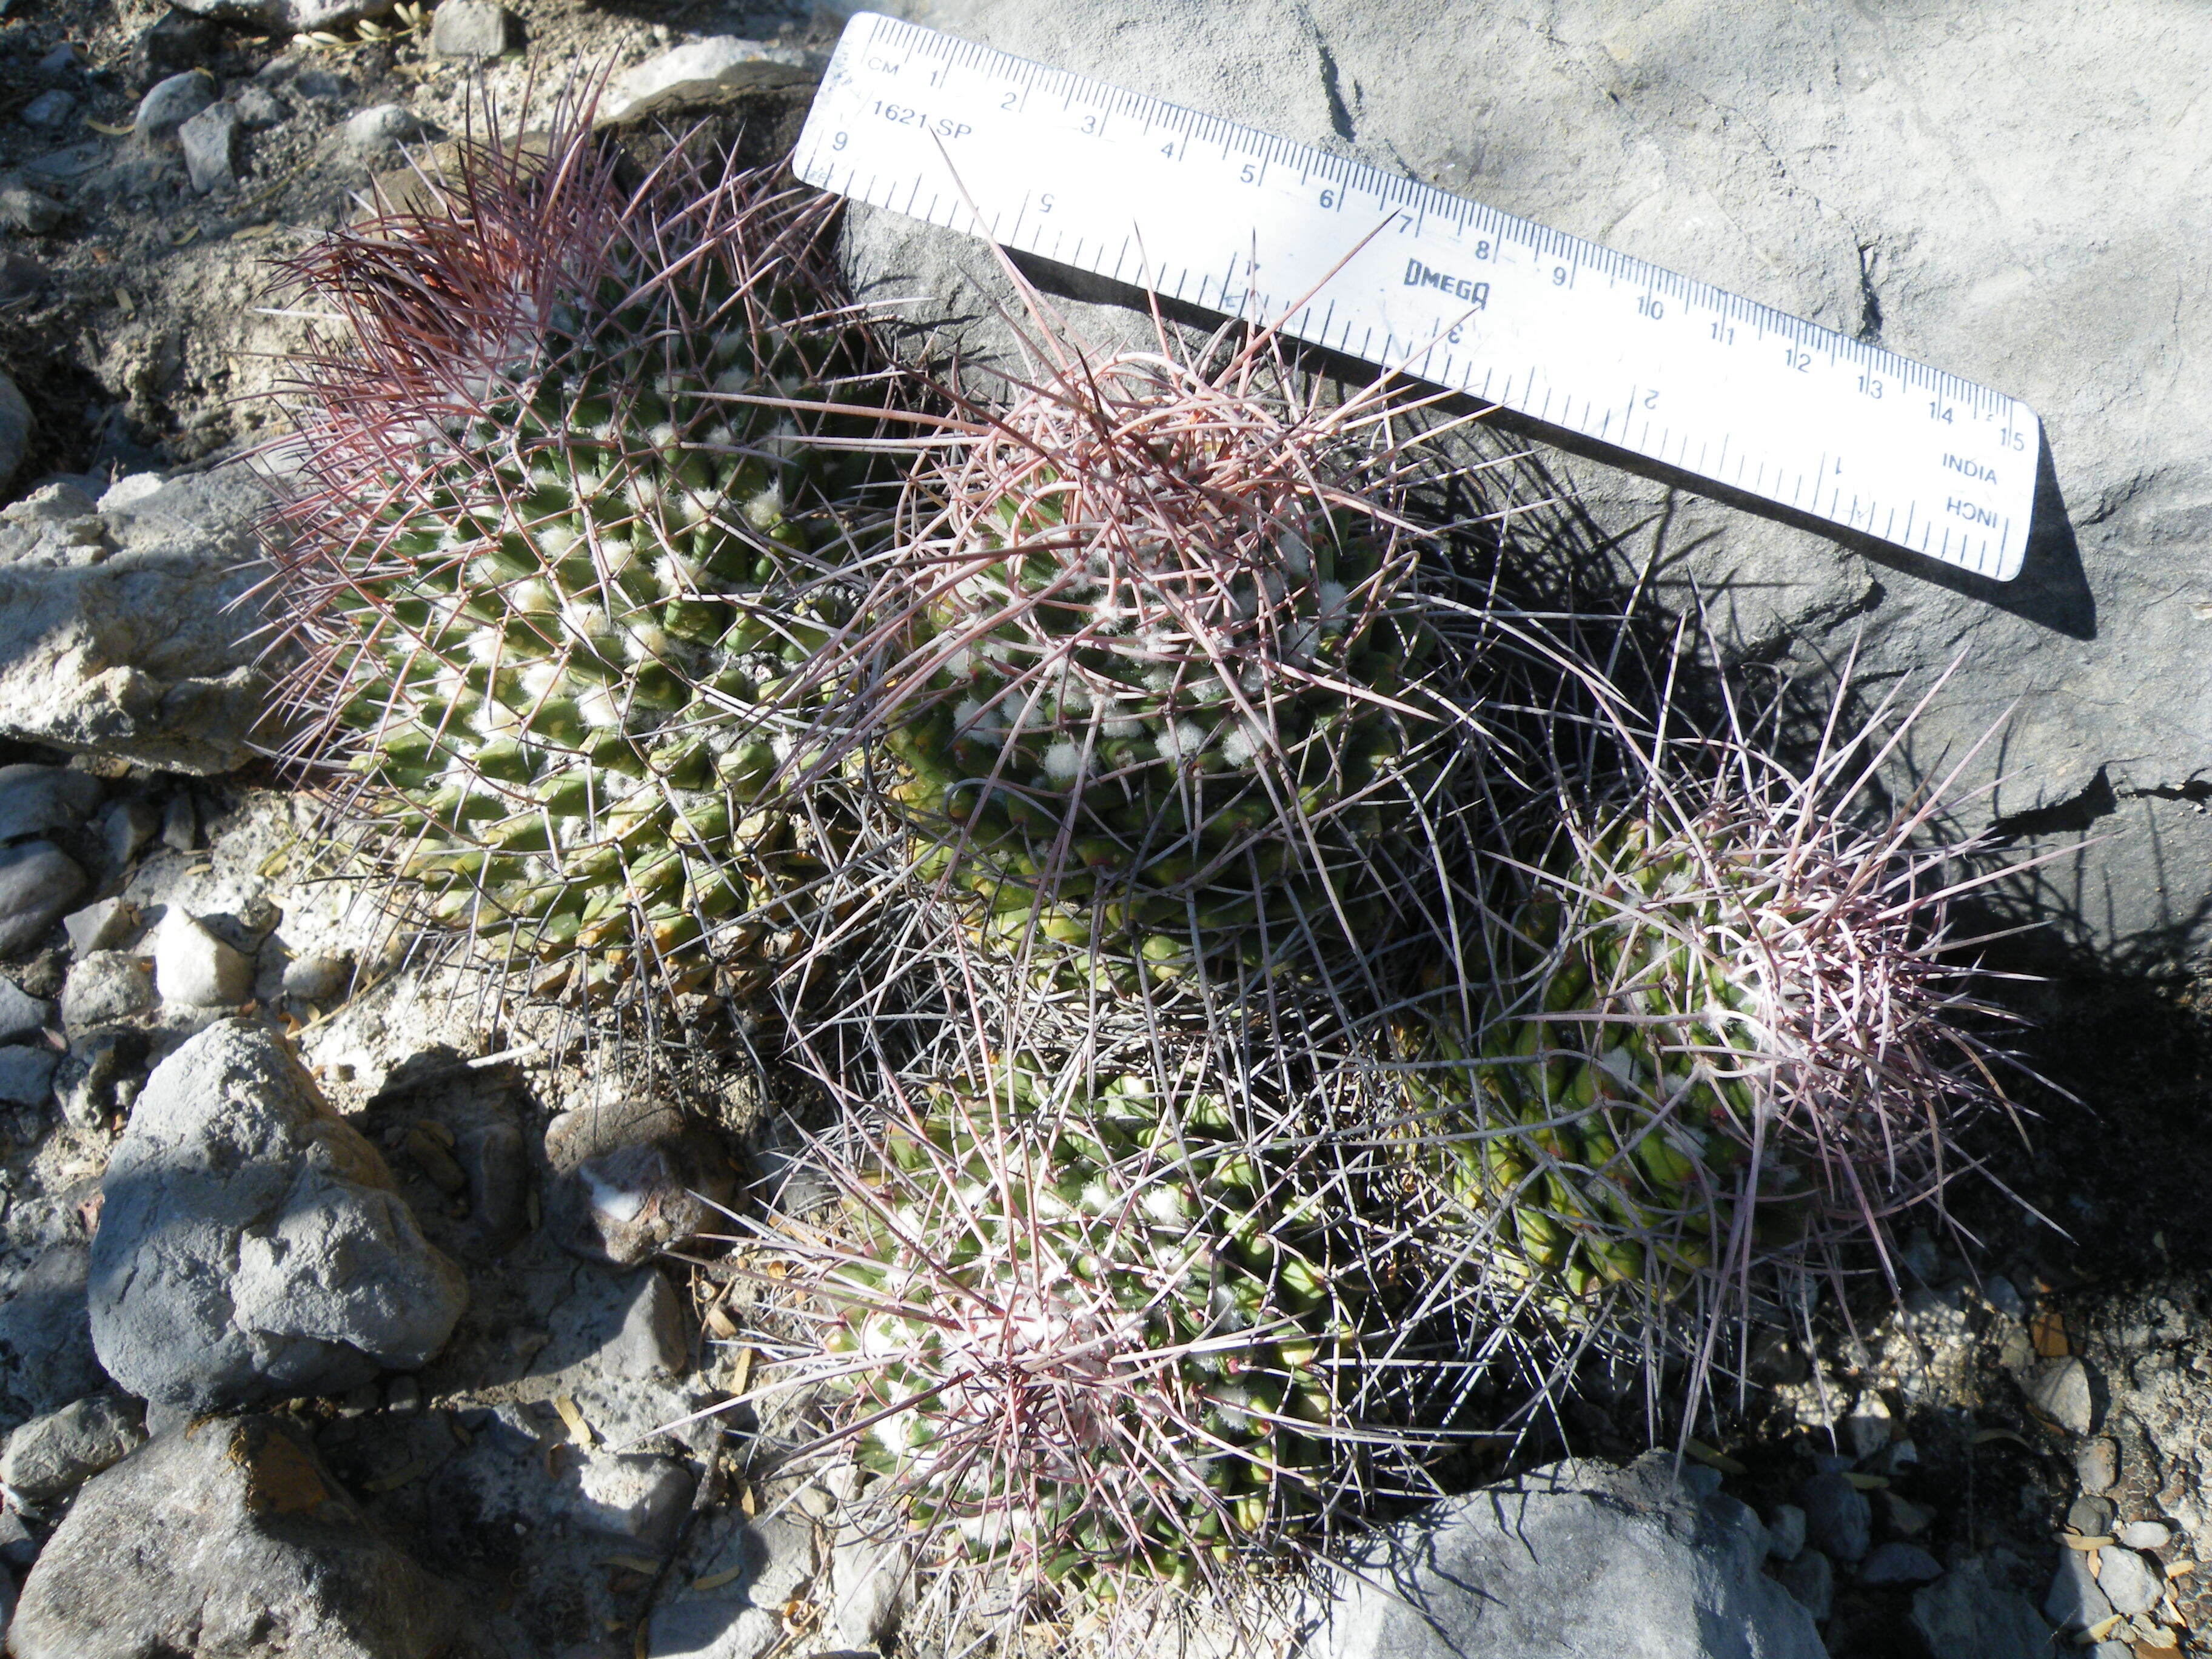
(1063, 764)
(598, 707)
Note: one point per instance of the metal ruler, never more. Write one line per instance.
(1612, 349)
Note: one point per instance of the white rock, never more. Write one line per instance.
(2145, 1534)
(720, 62)
(316, 977)
(56, 1454)
(192, 966)
(2059, 1388)
(25, 210)
(170, 104)
(469, 28)
(2131, 1584)
(102, 987)
(382, 128)
(629, 1495)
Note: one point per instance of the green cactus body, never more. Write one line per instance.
(1253, 789)
(1100, 1345)
(1603, 1129)
(568, 615)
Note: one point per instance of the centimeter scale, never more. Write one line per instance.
(1617, 351)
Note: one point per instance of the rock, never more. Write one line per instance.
(628, 1496)
(2131, 1584)
(25, 210)
(635, 1175)
(1785, 1530)
(180, 823)
(656, 1331)
(491, 1157)
(253, 1245)
(1895, 1564)
(104, 988)
(209, 141)
(1664, 138)
(703, 70)
(257, 107)
(2059, 1388)
(38, 883)
(318, 976)
(1837, 1518)
(2089, 1515)
(34, 799)
(60, 61)
(766, 1562)
(2097, 1465)
(1965, 1616)
(27, 1075)
(227, 1538)
(383, 127)
(192, 966)
(100, 926)
(1575, 1558)
(170, 104)
(15, 411)
(869, 1577)
(2073, 1601)
(125, 827)
(174, 41)
(46, 1357)
(147, 655)
(1904, 1518)
(1867, 1427)
(290, 16)
(54, 1455)
(91, 1079)
(49, 109)
(471, 29)
(22, 1015)
(1810, 1578)
(2145, 1534)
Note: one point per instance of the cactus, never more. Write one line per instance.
(551, 560)
(1164, 683)
(1112, 1345)
(1718, 1038)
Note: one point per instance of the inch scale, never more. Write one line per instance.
(1618, 351)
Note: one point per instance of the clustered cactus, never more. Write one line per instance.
(562, 479)
(1149, 681)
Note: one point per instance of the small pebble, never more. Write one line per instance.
(170, 104)
(469, 28)
(194, 968)
(39, 883)
(125, 827)
(403, 1393)
(1867, 1429)
(817, 1501)
(49, 109)
(102, 987)
(2131, 1584)
(23, 209)
(1785, 1531)
(209, 141)
(2074, 1602)
(257, 107)
(316, 977)
(1812, 1579)
(380, 128)
(2097, 1465)
(2090, 1515)
(1999, 1294)
(2145, 1534)
(22, 1015)
(1838, 1518)
(180, 823)
(1905, 1518)
(100, 926)
(2059, 1388)
(27, 1075)
(60, 61)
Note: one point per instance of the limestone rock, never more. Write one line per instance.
(170, 104)
(1572, 1559)
(58, 1453)
(721, 63)
(38, 883)
(103, 988)
(192, 966)
(27, 1075)
(471, 29)
(145, 654)
(46, 1357)
(227, 1538)
(253, 1245)
(1817, 160)
(1967, 1612)
(209, 141)
(289, 16)
(22, 1015)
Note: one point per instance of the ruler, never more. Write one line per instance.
(1635, 360)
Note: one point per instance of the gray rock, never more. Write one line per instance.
(180, 823)
(766, 1562)
(1572, 1559)
(471, 29)
(1810, 1578)
(1806, 172)
(318, 976)
(2097, 1465)
(193, 967)
(626, 1495)
(2090, 1515)
(104, 988)
(2059, 1388)
(868, 1576)
(124, 827)
(60, 60)
(22, 1015)
(49, 109)
(627, 1205)
(705, 69)
(289, 16)
(38, 883)
(257, 107)
(56, 1454)
(34, 799)
(253, 1245)
(170, 104)
(146, 656)
(2131, 1584)
(382, 128)
(100, 926)
(23, 209)
(2145, 1534)
(1964, 1615)
(1785, 1530)
(1837, 1518)
(1893, 1564)
(46, 1357)
(89, 1082)
(227, 1537)
(210, 142)
(656, 1331)
(15, 420)
(27, 1075)
(2073, 1601)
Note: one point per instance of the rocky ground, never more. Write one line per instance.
(336, 1299)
